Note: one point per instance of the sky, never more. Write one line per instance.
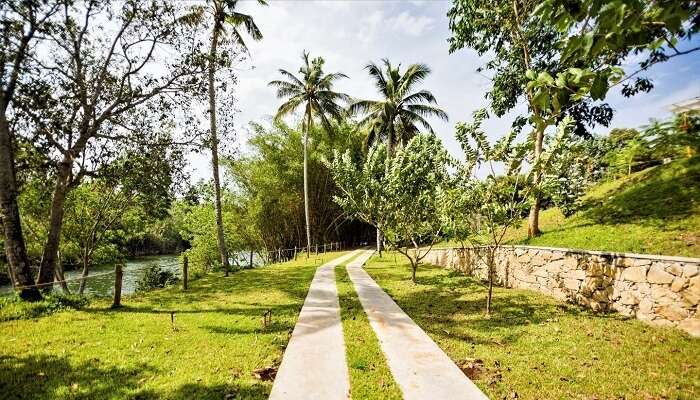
(350, 34)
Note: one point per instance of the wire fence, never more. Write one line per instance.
(280, 255)
(269, 257)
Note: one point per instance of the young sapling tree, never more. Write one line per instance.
(399, 195)
(481, 210)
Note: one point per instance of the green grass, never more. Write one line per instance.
(370, 377)
(217, 341)
(655, 211)
(539, 348)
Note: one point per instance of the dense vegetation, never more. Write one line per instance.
(93, 146)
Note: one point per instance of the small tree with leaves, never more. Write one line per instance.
(399, 195)
(480, 211)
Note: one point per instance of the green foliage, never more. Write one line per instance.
(482, 210)
(13, 308)
(579, 165)
(401, 112)
(654, 211)
(659, 142)
(155, 277)
(313, 90)
(399, 195)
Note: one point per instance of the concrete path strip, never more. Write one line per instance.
(420, 368)
(313, 365)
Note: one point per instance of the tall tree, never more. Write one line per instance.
(99, 92)
(398, 116)
(22, 22)
(314, 92)
(562, 56)
(223, 15)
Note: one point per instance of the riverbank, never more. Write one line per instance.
(100, 282)
(210, 351)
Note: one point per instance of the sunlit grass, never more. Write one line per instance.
(539, 348)
(216, 342)
(655, 211)
(370, 377)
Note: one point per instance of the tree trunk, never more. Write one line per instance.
(490, 266)
(379, 242)
(60, 277)
(223, 254)
(414, 267)
(15, 249)
(53, 241)
(84, 275)
(118, 276)
(533, 222)
(306, 181)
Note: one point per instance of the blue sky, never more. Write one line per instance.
(349, 34)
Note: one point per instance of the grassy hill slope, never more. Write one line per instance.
(655, 211)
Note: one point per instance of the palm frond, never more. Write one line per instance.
(362, 107)
(379, 78)
(415, 73)
(286, 89)
(288, 107)
(291, 77)
(246, 21)
(425, 110)
(420, 97)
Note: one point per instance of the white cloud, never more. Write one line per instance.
(350, 34)
(410, 24)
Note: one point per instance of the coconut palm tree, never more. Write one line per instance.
(312, 90)
(401, 112)
(226, 25)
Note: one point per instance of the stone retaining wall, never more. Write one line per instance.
(657, 289)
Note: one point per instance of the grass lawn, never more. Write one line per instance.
(218, 340)
(370, 377)
(538, 348)
(655, 211)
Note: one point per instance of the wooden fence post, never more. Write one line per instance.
(317, 249)
(185, 267)
(250, 262)
(118, 275)
(295, 252)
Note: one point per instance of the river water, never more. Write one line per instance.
(102, 283)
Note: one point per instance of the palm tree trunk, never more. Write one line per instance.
(533, 222)
(223, 254)
(309, 121)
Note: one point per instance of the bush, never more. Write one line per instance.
(12, 307)
(155, 277)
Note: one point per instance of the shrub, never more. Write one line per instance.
(155, 277)
(12, 307)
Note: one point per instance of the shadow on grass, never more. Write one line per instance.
(451, 305)
(43, 376)
(51, 377)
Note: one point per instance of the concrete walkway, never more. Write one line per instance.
(314, 366)
(420, 368)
